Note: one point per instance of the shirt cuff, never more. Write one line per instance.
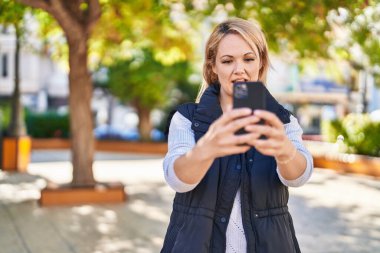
(173, 181)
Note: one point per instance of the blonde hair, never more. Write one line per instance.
(250, 32)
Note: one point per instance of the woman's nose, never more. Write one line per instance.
(239, 69)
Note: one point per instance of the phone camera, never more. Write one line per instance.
(241, 90)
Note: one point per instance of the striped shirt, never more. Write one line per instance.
(181, 140)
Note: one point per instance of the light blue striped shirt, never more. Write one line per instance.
(181, 140)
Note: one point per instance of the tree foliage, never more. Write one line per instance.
(125, 26)
(175, 31)
(122, 28)
(11, 13)
(299, 25)
(356, 37)
(145, 82)
(359, 31)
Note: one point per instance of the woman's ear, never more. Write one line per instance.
(261, 64)
(214, 69)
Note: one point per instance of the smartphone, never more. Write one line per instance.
(249, 95)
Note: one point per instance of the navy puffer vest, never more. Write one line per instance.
(200, 217)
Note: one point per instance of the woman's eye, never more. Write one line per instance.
(226, 61)
(250, 59)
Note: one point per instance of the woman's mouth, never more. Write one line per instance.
(239, 80)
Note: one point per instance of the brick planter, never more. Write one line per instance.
(105, 145)
(15, 153)
(101, 193)
(326, 156)
(350, 163)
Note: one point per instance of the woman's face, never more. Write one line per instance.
(235, 61)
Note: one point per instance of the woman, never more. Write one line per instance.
(232, 189)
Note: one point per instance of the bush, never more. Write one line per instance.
(361, 135)
(5, 114)
(331, 130)
(47, 125)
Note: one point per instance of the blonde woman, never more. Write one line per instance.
(232, 190)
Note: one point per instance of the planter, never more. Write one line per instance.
(16, 153)
(101, 193)
(159, 148)
(53, 143)
(325, 155)
(349, 163)
(105, 145)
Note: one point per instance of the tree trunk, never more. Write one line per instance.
(145, 125)
(17, 125)
(77, 18)
(81, 120)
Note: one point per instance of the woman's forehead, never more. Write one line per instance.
(235, 44)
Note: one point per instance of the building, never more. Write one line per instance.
(42, 83)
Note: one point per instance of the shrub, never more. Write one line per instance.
(361, 135)
(47, 125)
(5, 114)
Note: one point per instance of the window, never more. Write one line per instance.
(4, 65)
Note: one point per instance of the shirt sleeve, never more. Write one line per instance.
(180, 141)
(294, 132)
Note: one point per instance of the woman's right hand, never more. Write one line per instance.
(220, 139)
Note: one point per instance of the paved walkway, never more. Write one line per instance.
(332, 213)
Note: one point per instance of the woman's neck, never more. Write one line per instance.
(225, 102)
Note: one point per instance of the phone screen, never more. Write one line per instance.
(251, 95)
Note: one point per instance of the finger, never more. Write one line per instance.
(270, 118)
(236, 150)
(266, 144)
(240, 123)
(249, 138)
(233, 114)
(269, 132)
(269, 152)
(230, 140)
(233, 140)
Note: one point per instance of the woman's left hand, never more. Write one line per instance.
(276, 142)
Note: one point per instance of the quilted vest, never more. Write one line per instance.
(199, 219)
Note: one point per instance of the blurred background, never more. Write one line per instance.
(143, 58)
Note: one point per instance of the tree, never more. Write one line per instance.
(126, 26)
(12, 14)
(77, 19)
(146, 50)
(357, 35)
(356, 39)
(145, 82)
(298, 26)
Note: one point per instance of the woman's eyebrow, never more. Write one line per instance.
(226, 55)
(248, 53)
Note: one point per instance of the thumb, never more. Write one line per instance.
(228, 108)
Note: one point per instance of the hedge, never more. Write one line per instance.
(47, 124)
(361, 135)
